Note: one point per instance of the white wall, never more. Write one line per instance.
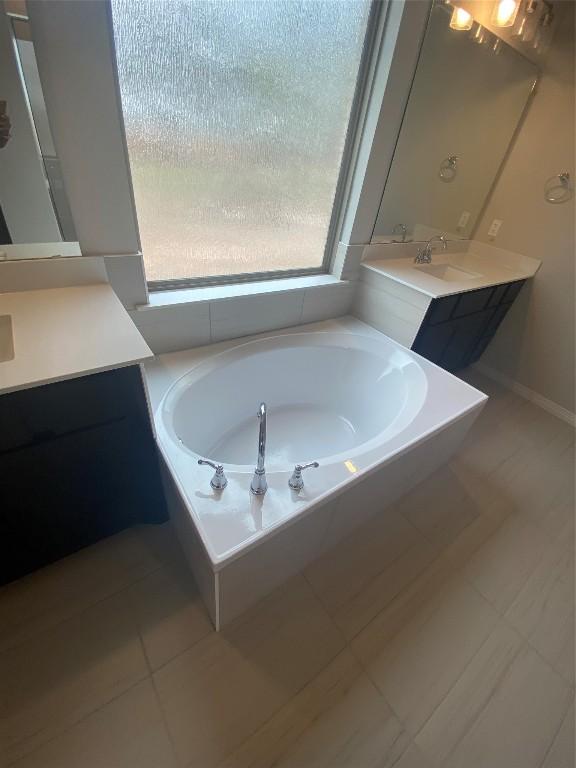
(74, 51)
(535, 344)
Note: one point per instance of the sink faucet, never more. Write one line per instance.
(424, 255)
(259, 486)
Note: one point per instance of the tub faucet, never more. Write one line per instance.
(296, 482)
(259, 486)
(219, 481)
(424, 255)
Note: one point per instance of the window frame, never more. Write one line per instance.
(376, 8)
(75, 54)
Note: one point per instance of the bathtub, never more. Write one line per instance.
(375, 416)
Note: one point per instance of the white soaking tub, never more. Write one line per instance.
(375, 416)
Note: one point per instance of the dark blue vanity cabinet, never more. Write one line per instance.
(78, 462)
(457, 329)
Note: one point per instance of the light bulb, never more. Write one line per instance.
(521, 28)
(479, 34)
(461, 19)
(505, 13)
(527, 22)
(541, 41)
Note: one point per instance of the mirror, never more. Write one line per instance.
(467, 99)
(33, 204)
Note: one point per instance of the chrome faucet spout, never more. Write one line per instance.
(259, 485)
(262, 436)
(424, 255)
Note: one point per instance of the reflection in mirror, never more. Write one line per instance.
(467, 99)
(33, 203)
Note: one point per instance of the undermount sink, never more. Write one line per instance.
(6, 339)
(447, 272)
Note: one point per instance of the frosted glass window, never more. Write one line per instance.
(236, 114)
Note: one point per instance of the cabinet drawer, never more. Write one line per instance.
(473, 301)
(71, 406)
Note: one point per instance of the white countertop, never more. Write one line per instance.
(61, 333)
(492, 265)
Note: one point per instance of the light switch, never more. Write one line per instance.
(495, 227)
(463, 220)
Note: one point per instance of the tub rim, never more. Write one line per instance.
(213, 363)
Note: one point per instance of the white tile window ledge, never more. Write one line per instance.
(182, 319)
(234, 290)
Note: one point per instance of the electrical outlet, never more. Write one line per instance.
(494, 227)
(463, 220)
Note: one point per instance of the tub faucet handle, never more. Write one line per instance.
(219, 480)
(296, 481)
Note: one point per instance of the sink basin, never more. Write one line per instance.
(447, 272)
(6, 338)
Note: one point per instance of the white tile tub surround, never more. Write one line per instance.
(30, 274)
(181, 319)
(389, 306)
(240, 547)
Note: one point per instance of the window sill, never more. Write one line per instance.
(185, 296)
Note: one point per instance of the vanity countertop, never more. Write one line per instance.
(480, 266)
(61, 333)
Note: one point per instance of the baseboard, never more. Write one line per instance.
(527, 393)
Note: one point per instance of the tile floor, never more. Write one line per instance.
(440, 635)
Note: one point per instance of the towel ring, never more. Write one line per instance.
(558, 189)
(448, 168)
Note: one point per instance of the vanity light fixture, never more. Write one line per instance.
(461, 19)
(505, 12)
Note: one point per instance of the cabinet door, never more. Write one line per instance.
(466, 332)
(433, 340)
(498, 295)
(496, 319)
(512, 291)
(441, 309)
(77, 404)
(479, 349)
(457, 329)
(70, 481)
